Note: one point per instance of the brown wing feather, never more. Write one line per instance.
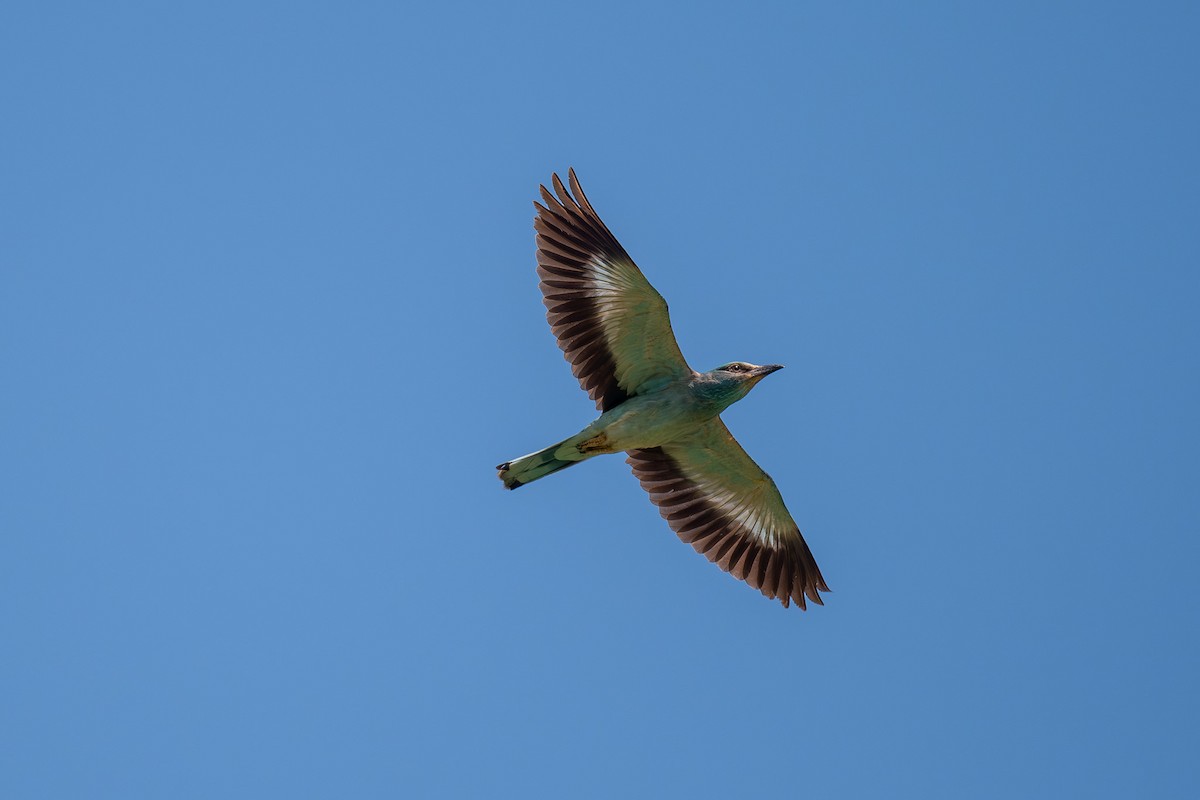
(782, 568)
(610, 323)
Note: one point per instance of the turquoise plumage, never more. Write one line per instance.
(615, 331)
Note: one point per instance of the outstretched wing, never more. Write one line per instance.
(718, 500)
(609, 321)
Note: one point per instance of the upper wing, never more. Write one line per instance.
(717, 499)
(610, 322)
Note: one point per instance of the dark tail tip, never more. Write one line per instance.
(509, 482)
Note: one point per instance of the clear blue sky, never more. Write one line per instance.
(269, 316)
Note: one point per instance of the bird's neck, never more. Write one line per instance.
(714, 393)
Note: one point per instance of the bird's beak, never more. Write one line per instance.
(763, 372)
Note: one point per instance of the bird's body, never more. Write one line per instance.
(673, 410)
(614, 329)
(655, 418)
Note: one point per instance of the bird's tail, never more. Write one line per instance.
(521, 471)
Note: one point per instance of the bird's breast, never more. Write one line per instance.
(651, 420)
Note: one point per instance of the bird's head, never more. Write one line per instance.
(731, 382)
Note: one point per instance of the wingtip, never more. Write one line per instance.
(810, 593)
(564, 197)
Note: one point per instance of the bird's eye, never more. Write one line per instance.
(734, 368)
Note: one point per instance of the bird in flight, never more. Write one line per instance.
(613, 328)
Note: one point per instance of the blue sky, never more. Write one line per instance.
(269, 316)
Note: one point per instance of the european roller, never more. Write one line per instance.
(613, 328)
